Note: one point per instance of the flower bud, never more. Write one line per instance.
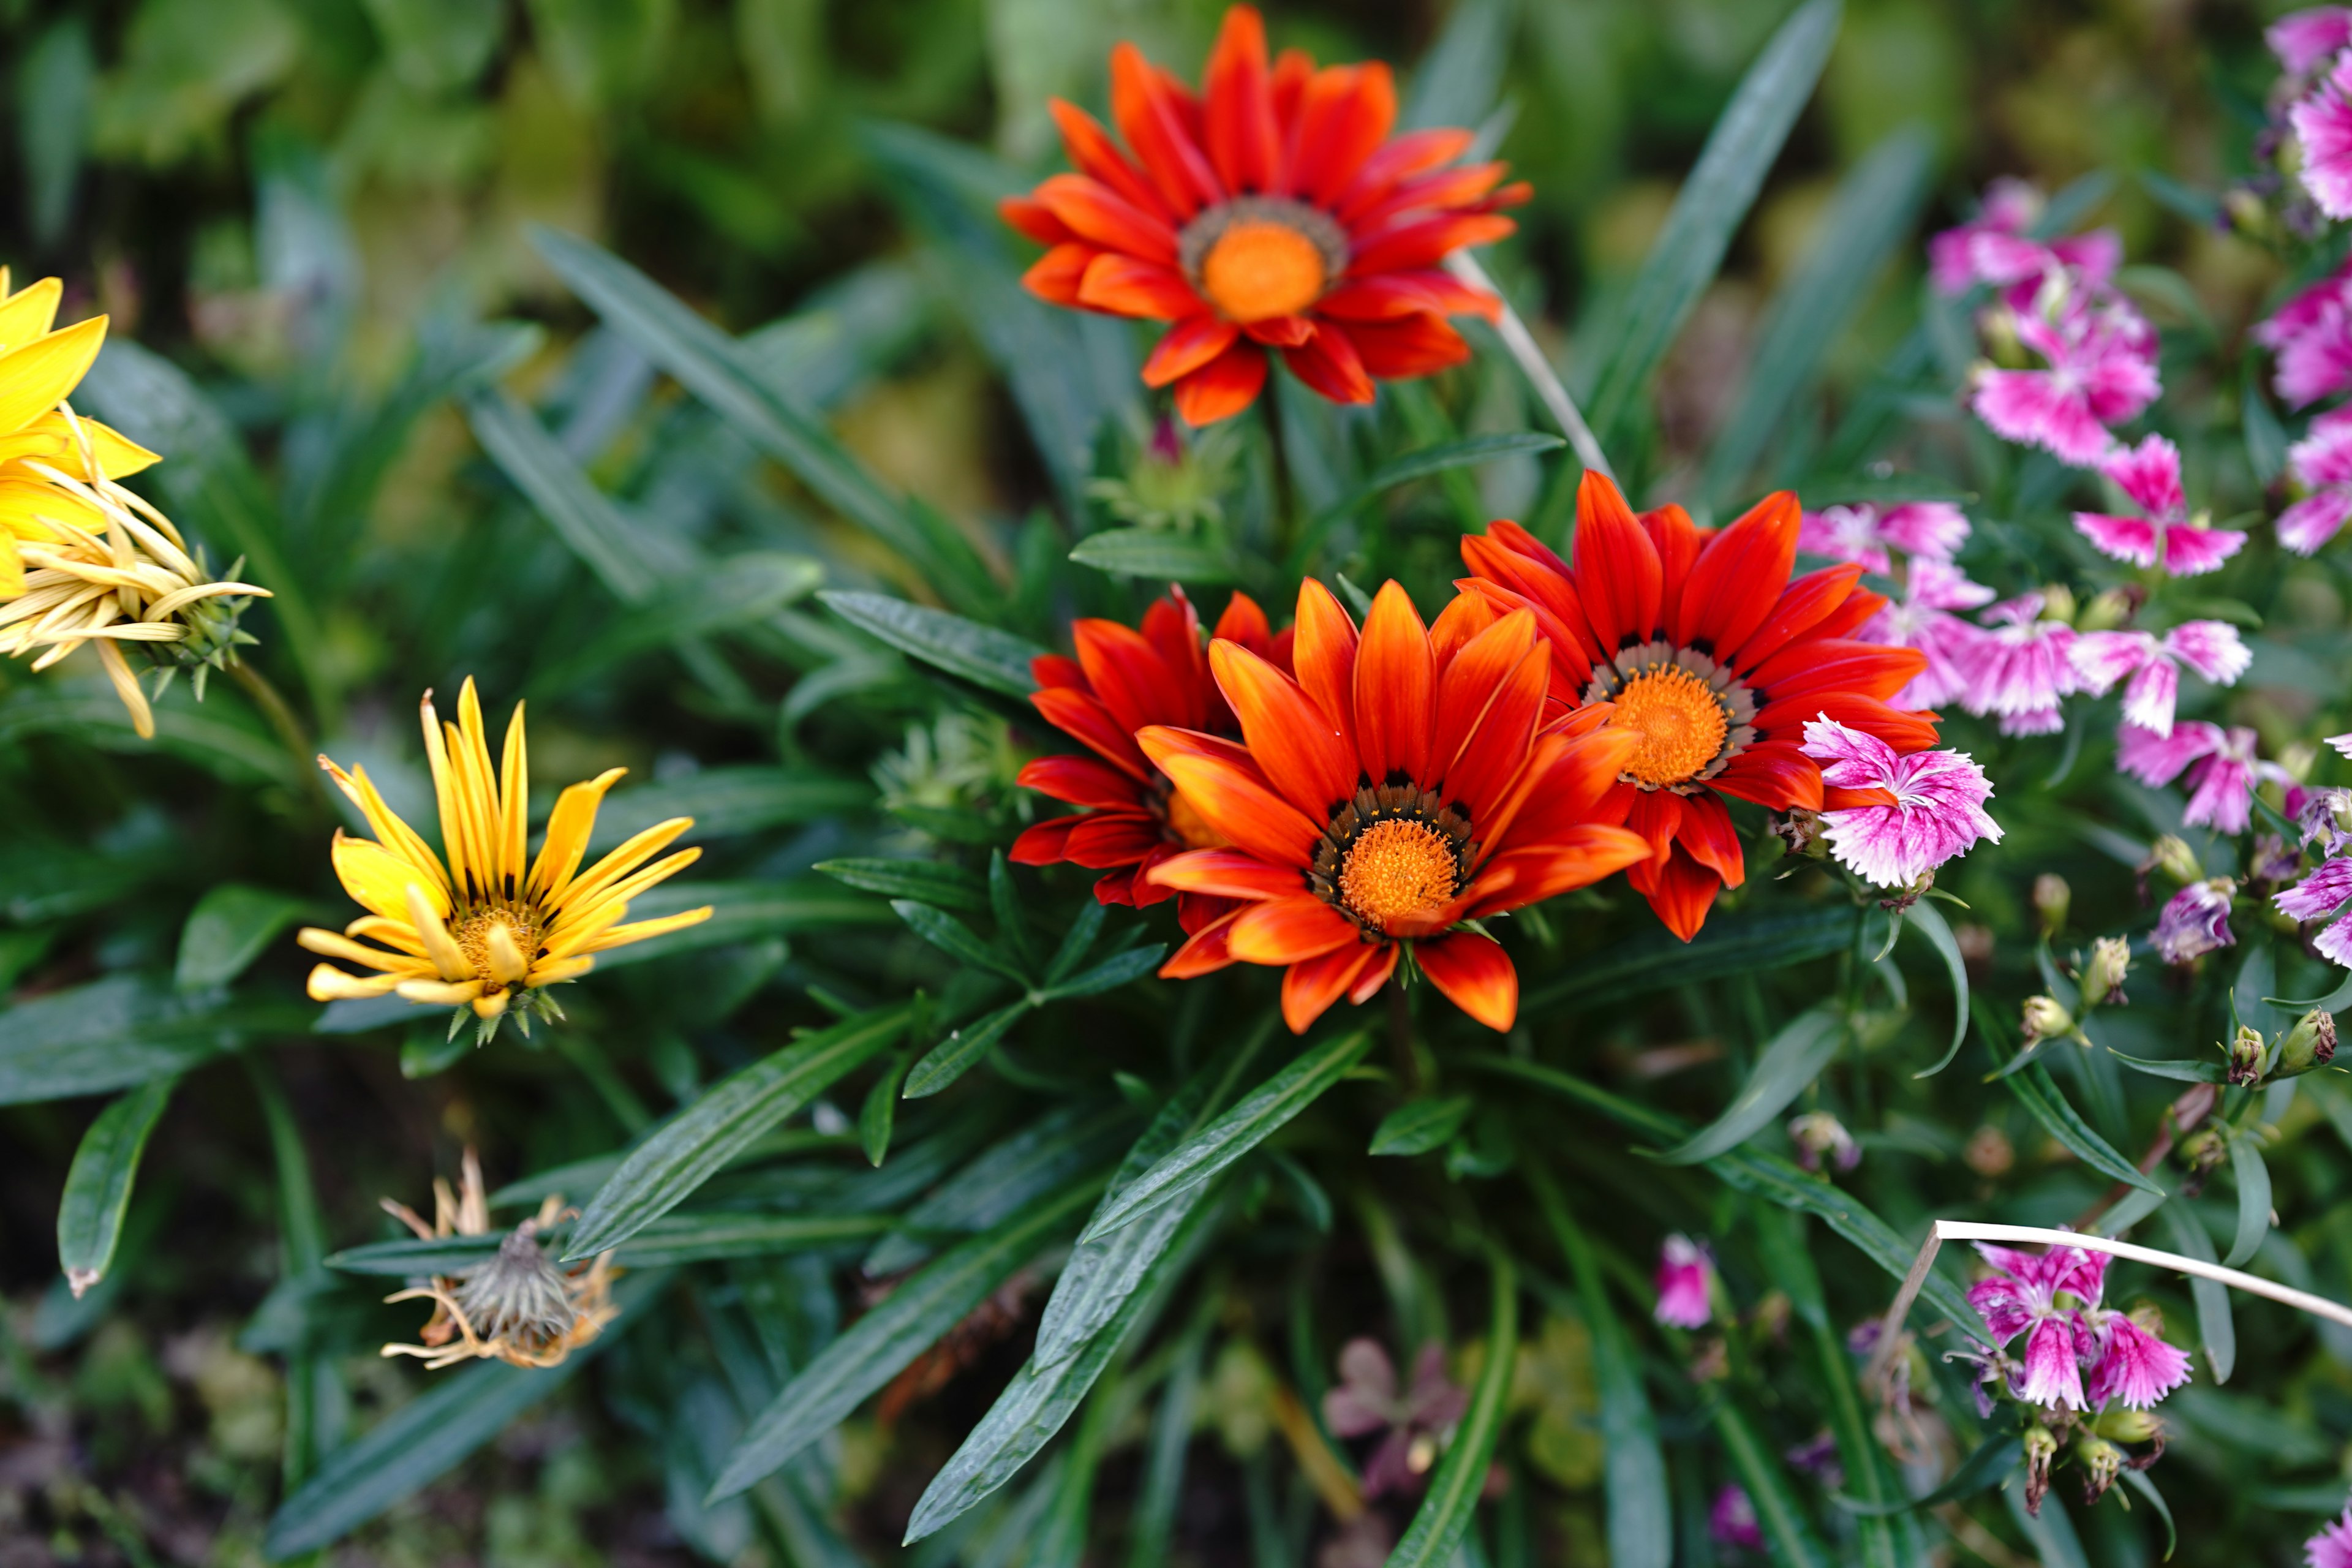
(2119, 1425)
(2057, 603)
(2103, 975)
(2175, 859)
(2045, 1019)
(2102, 1463)
(2247, 1055)
(1821, 1139)
(2106, 610)
(2202, 1151)
(2310, 1044)
(2296, 757)
(2051, 898)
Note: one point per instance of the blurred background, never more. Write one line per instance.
(311, 207)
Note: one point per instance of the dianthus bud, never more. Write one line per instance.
(2203, 1151)
(2057, 603)
(2296, 757)
(2045, 1019)
(2310, 1044)
(2103, 974)
(2247, 1055)
(1821, 1139)
(2051, 898)
(2102, 1463)
(2118, 1423)
(2040, 1447)
(2175, 859)
(2106, 610)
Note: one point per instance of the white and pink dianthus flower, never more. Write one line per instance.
(1892, 819)
(1923, 619)
(2149, 474)
(2129, 1364)
(2211, 648)
(2101, 370)
(2322, 464)
(2319, 897)
(1924, 531)
(2305, 39)
(2311, 336)
(2322, 119)
(2221, 765)
(1684, 1276)
(2022, 1298)
(2019, 666)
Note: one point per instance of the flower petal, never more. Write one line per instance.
(1474, 973)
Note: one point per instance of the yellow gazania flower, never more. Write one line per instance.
(493, 927)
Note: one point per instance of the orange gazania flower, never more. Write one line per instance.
(1400, 785)
(1272, 210)
(1712, 661)
(1123, 681)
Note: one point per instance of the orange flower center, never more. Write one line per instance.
(1262, 257)
(1191, 828)
(1397, 868)
(1679, 719)
(472, 931)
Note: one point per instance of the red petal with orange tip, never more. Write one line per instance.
(1081, 781)
(1323, 655)
(1245, 623)
(1447, 190)
(1102, 217)
(1243, 810)
(1776, 775)
(1619, 579)
(1851, 616)
(1096, 155)
(1280, 331)
(1399, 159)
(1577, 857)
(1340, 126)
(1162, 741)
(1387, 296)
(1186, 347)
(1572, 778)
(1906, 732)
(1415, 345)
(1685, 892)
(1474, 973)
(1488, 699)
(1172, 627)
(1055, 276)
(1464, 617)
(1709, 839)
(1204, 953)
(1123, 286)
(1836, 799)
(1416, 242)
(1303, 753)
(1328, 363)
(1740, 575)
(1228, 873)
(1284, 930)
(1816, 664)
(1056, 669)
(1035, 219)
(1081, 715)
(1108, 838)
(1222, 387)
(1149, 117)
(1142, 890)
(1374, 974)
(1800, 608)
(1396, 679)
(1245, 145)
(1310, 987)
(1131, 679)
(1042, 845)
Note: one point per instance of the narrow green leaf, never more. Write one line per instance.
(623, 555)
(431, 1435)
(227, 931)
(927, 882)
(1109, 974)
(1058, 1147)
(1794, 1060)
(880, 1111)
(1985, 1469)
(1928, 920)
(1427, 462)
(2335, 1001)
(961, 1051)
(982, 655)
(1794, 1544)
(1788, 1258)
(1153, 1522)
(742, 911)
(1657, 962)
(2265, 454)
(689, 1148)
(957, 939)
(98, 1186)
(873, 1349)
(216, 738)
(2215, 1329)
(119, 1032)
(1235, 1133)
(1078, 941)
(2253, 1180)
(740, 590)
(2192, 1070)
(1443, 1516)
(1155, 554)
(729, 802)
(2137, 1481)
(1420, 1125)
(1710, 209)
(2040, 1093)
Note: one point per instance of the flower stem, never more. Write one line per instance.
(1537, 370)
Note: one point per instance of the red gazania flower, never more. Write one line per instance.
(1402, 785)
(1270, 211)
(1712, 661)
(1122, 680)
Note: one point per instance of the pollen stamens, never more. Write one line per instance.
(1681, 724)
(1262, 257)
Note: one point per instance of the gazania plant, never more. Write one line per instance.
(1321, 843)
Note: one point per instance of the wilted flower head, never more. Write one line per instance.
(2317, 897)
(2194, 921)
(1414, 1424)
(1822, 1138)
(2212, 648)
(2324, 817)
(2247, 1054)
(1731, 1520)
(1892, 819)
(2149, 474)
(2310, 1044)
(2332, 1546)
(1684, 1279)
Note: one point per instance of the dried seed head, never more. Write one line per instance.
(519, 1295)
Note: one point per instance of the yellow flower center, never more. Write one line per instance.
(1397, 868)
(1679, 719)
(1262, 268)
(472, 931)
(1191, 828)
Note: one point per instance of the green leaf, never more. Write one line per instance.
(955, 939)
(1657, 962)
(431, 1435)
(634, 562)
(227, 931)
(673, 1239)
(1077, 942)
(1928, 921)
(736, 591)
(1794, 1060)
(1443, 1518)
(98, 1187)
(2216, 1329)
(873, 1349)
(1710, 209)
(1993, 1459)
(1235, 1133)
(119, 1032)
(2137, 1481)
(1058, 1147)
(741, 912)
(880, 1111)
(216, 738)
(982, 655)
(927, 881)
(1640, 1514)
(689, 1149)
(955, 1055)
(1794, 1544)
(2335, 1001)
(2039, 1092)
(1873, 211)
(1156, 554)
(1109, 974)
(1420, 1125)
(2192, 1070)
(1425, 463)
(2265, 453)
(2253, 1180)
(728, 802)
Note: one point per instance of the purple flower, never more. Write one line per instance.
(1929, 530)
(2303, 39)
(1923, 620)
(1732, 1521)
(2194, 921)
(2311, 335)
(2009, 206)
(2326, 818)
(2317, 897)
(2211, 648)
(2149, 474)
(2332, 1547)
(2101, 372)
(2221, 765)
(1916, 811)
(2321, 463)
(2018, 667)
(1819, 1459)
(1365, 1401)
(2323, 124)
(2022, 1298)
(2126, 1361)
(1683, 1274)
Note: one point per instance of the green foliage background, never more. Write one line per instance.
(455, 445)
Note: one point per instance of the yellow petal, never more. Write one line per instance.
(127, 687)
(440, 945)
(445, 798)
(116, 454)
(621, 936)
(329, 944)
(514, 800)
(440, 993)
(507, 964)
(34, 509)
(379, 880)
(329, 984)
(37, 377)
(569, 829)
(34, 441)
(390, 831)
(491, 1005)
(12, 569)
(555, 971)
(592, 883)
(29, 312)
